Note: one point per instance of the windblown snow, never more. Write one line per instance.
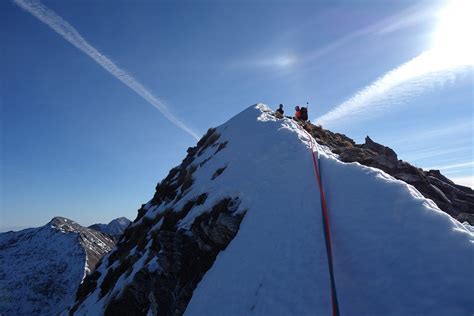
(395, 252)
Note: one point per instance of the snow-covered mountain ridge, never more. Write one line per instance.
(41, 268)
(115, 228)
(236, 229)
(456, 200)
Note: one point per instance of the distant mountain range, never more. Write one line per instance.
(115, 228)
(41, 268)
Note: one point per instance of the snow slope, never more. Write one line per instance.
(41, 268)
(395, 253)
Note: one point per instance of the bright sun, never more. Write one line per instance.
(453, 38)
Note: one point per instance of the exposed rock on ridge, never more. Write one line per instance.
(454, 199)
(114, 229)
(94, 243)
(157, 264)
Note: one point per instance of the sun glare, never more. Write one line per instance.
(453, 39)
(284, 61)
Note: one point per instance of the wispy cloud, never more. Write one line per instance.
(463, 130)
(454, 166)
(266, 58)
(429, 153)
(427, 70)
(467, 181)
(409, 17)
(406, 18)
(459, 173)
(280, 62)
(69, 33)
(450, 53)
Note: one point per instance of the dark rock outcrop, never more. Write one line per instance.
(163, 261)
(182, 258)
(454, 199)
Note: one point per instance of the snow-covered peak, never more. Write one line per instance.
(41, 268)
(115, 228)
(236, 229)
(65, 225)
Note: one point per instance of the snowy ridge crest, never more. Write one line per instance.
(241, 218)
(115, 228)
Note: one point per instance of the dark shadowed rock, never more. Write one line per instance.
(162, 261)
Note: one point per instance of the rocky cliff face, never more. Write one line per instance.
(159, 262)
(456, 200)
(41, 268)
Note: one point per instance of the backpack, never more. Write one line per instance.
(304, 114)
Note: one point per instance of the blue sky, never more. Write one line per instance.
(77, 142)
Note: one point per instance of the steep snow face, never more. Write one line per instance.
(41, 268)
(115, 228)
(395, 253)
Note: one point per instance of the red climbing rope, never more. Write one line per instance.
(325, 217)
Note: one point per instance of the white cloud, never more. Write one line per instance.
(427, 70)
(429, 153)
(69, 33)
(407, 18)
(451, 52)
(453, 166)
(282, 61)
(462, 129)
(467, 181)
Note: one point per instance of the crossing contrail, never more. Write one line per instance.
(70, 34)
(451, 52)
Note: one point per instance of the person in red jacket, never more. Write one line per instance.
(297, 113)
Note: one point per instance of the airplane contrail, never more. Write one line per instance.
(69, 33)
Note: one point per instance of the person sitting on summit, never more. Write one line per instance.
(279, 112)
(303, 114)
(297, 113)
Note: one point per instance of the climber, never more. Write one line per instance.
(297, 113)
(304, 114)
(279, 112)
